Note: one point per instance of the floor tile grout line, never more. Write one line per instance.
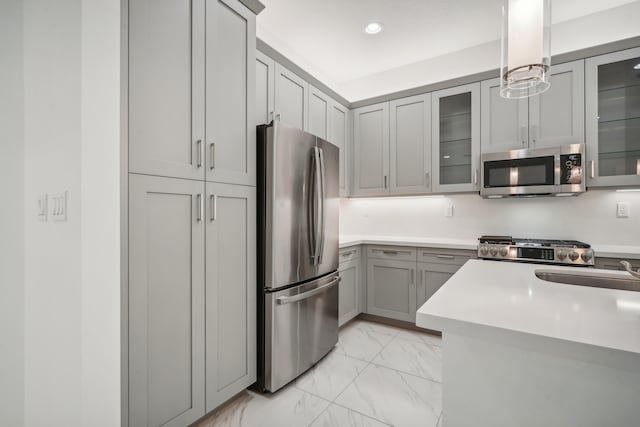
(321, 412)
(405, 372)
(363, 414)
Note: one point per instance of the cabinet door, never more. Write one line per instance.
(410, 144)
(230, 291)
(431, 277)
(166, 301)
(391, 289)
(319, 113)
(349, 291)
(505, 122)
(456, 138)
(613, 119)
(265, 70)
(291, 98)
(339, 135)
(166, 88)
(557, 115)
(371, 150)
(230, 92)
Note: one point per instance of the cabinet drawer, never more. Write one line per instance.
(348, 254)
(445, 256)
(399, 253)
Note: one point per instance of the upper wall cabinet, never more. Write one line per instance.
(410, 144)
(319, 113)
(230, 85)
(456, 138)
(291, 98)
(613, 119)
(555, 117)
(339, 125)
(265, 71)
(176, 75)
(371, 150)
(166, 67)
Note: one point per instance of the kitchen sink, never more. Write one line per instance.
(584, 278)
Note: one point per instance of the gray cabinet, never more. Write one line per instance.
(410, 145)
(166, 67)
(456, 138)
(350, 291)
(613, 119)
(265, 72)
(319, 113)
(371, 150)
(555, 117)
(391, 282)
(230, 291)
(339, 135)
(230, 90)
(291, 98)
(435, 267)
(166, 301)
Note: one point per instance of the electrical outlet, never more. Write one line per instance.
(59, 206)
(448, 211)
(42, 207)
(624, 210)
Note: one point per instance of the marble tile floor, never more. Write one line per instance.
(377, 375)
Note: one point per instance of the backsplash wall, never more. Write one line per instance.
(590, 217)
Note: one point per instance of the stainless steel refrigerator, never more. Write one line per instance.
(298, 207)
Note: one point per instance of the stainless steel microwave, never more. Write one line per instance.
(557, 171)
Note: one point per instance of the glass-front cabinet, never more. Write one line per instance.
(456, 138)
(613, 119)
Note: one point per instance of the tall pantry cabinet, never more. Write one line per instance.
(192, 227)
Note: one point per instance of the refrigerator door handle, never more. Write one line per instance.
(312, 208)
(322, 207)
(308, 294)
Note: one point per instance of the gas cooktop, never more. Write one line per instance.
(547, 251)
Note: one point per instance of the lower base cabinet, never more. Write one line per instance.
(349, 291)
(430, 278)
(391, 289)
(192, 297)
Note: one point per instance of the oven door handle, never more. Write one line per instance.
(308, 294)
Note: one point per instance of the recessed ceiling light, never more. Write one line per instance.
(637, 66)
(373, 28)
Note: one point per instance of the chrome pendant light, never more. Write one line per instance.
(526, 55)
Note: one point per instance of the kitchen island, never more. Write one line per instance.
(520, 351)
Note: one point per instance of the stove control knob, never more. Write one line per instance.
(586, 256)
(573, 255)
(494, 251)
(484, 250)
(561, 254)
(504, 252)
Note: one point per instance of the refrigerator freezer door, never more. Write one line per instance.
(301, 206)
(301, 327)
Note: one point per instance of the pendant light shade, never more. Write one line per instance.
(526, 55)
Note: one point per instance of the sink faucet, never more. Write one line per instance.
(629, 270)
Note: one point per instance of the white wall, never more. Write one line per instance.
(11, 219)
(590, 217)
(599, 28)
(72, 288)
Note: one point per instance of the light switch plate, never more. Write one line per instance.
(59, 206)
(448, 211)
(623, 210)
(42, 207)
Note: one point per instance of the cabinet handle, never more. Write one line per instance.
(420, 278)
(638, 167)
(199, 148)
(445, 256)
(347, 253)
(213, 199)
(212, 147)
(475, 177)
(592, 163)
(200, 207)
(385, 181)
(523, 134)
(278, 117)
(426, 179)
(534, 133)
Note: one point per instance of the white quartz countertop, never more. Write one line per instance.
(506, 296)
(607, 251)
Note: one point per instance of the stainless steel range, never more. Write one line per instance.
(563, 252)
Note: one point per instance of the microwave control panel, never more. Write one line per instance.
(571, 168)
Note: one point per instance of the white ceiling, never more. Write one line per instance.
(326, 37)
